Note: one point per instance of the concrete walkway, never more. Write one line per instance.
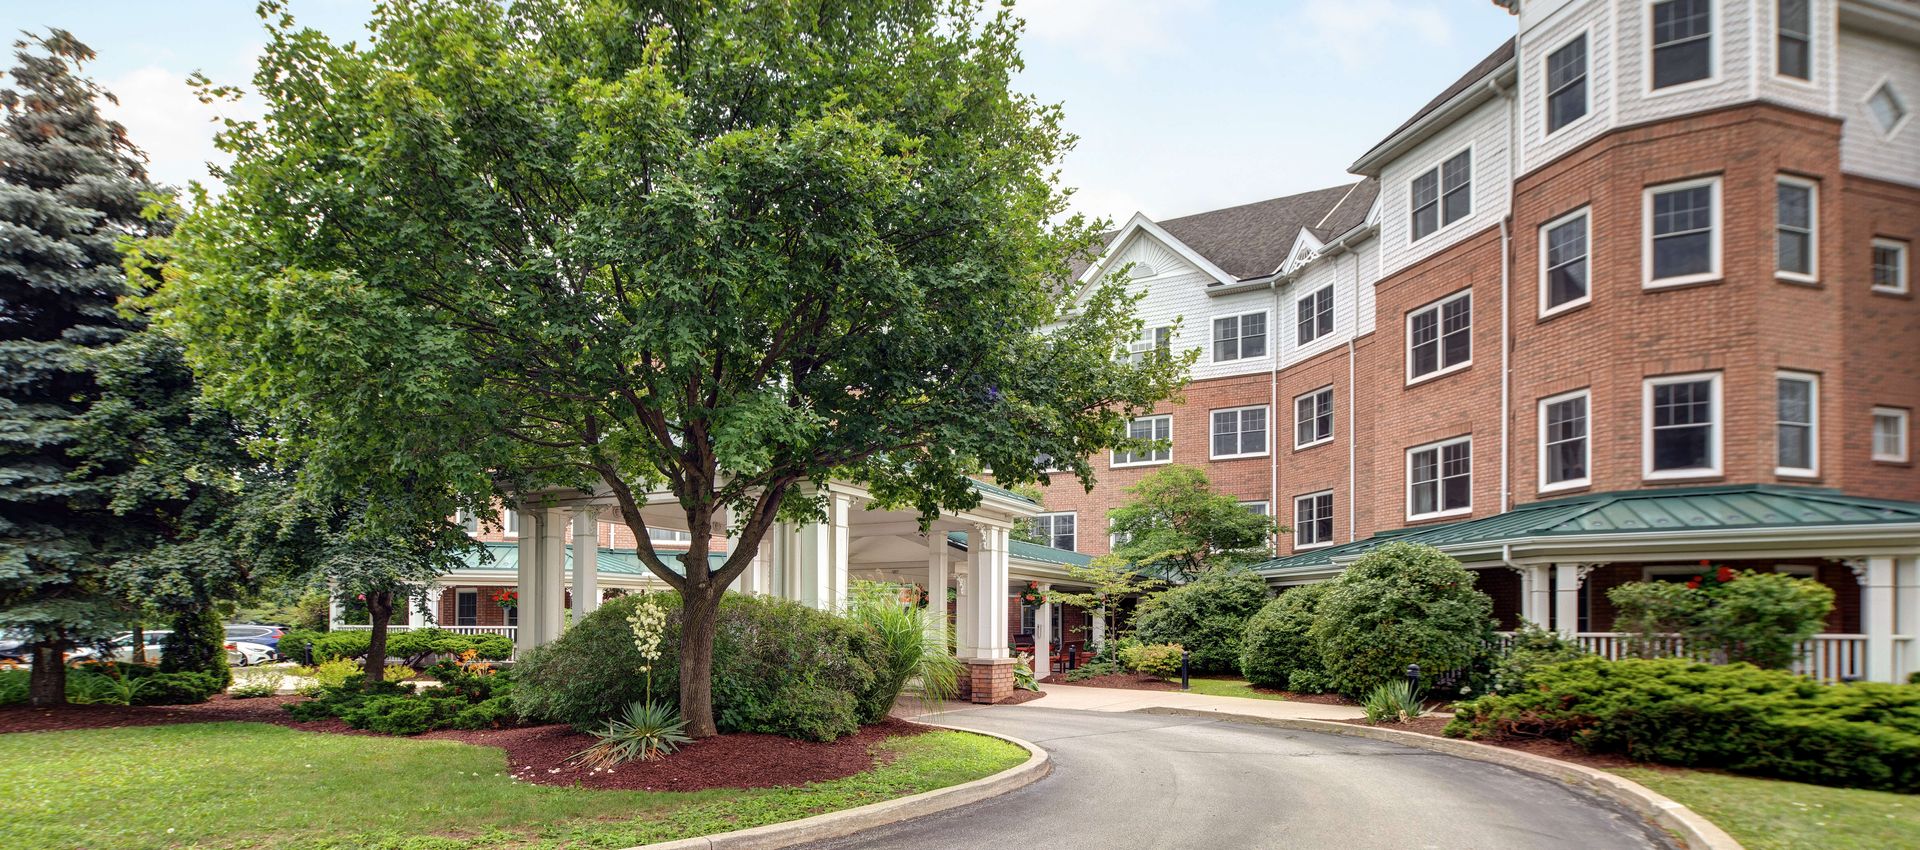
(1079, 698)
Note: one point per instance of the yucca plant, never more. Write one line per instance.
(1393, 702)
(916, 654)
(644, 731)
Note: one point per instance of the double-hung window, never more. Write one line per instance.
(1796, 228)
(1313, 418)
(1240, 432)
(1313, 520)
(1793, 39)
(1239, 337)
(1682, 42)
(1565, 264)
(466, 607)
(510, 523)
(1315, 314)
(1796, 424)
(1890, 267)
(1442, 195)
(1440, 478)
(1055, 530)
(1567, 84)
(467, 520)
(1157, 428)
(1683, 232)
(1890, 434)
(1152, 342)
(1682, 416)
(1440, 336)
(1566, 450)
(1256, 508)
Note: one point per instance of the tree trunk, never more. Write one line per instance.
(47, 686)
(379, 611)
(139, 644)
(699, 609)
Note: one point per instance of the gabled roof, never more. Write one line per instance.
(1645, 513)
(1252, 240)
(1349, 213)
(1500, 56)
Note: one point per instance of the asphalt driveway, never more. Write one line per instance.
(1155, 781)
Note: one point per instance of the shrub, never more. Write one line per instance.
(255, 685)
(640, 733)
(1393, 702)
(912, 652)
(1278, 650)
(13, 686)
(1153, 659)
(1734, 717)
(293, 644)
(1208, 616)
(409, 714)
(1023, 677)
(175, 688)
(1758, 618)
(197, 644)
(336, 700)
(491, 713)
(779, 667)
(1532, 648)
(336, 672)
(1400, 604)
(415, 645)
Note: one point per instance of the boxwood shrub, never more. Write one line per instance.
(1735, 717)
(1278, 652)
(413, 645)
(1401, 604)
(1208, 616)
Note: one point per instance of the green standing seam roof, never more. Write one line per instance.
(1636, 512)
(506, 557)
(1031, 551)
(997, 490)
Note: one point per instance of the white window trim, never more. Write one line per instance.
(1546, 93)
(1266, 510)
(1546, 311)
(1647, 280)
(509, 522)
(1333, 320)
(1813, 431)
(1540, 438)
(1813, 44)
(1296, 419)
(1905, 274)
(1812, 274)
(1440, 200)
(1150, 336)
(1866, 105)
(1716, 443)
(1906, 435)
(1213, 351)
(1331, 538)
(1113, 461)
(1236, 411)
(1716, 33)
(1436, 446)
(1051, 535)
(1408, 347)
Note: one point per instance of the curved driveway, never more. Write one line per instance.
(1155, 781)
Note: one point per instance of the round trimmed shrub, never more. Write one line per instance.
(197, 644)
(1400, 604)
(1208, 616)
(779, 667)
(1278, 652)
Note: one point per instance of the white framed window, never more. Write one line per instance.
(1313, 520)
(1888, 109)
(1440, 478)
(1440, 337)
(1152, 342)
(1891, 270)
(1240, 337)
(1682, 230)
(1442, 195)
(1158, 428)
(1566, 262)
(1239, 432)
(1056, 529)
(1567, 84)
(668, 535)
(1313, 418)
(466, 607)
(1681, 35)
(1314, 315)
(1890, 430)
(1796, 229)
(1796, 424)
(467, 520)
(1258, 508)
(1566, 444)
(510, 523)
(1793, 39)
(1681, 417)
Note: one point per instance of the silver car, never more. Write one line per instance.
(239, 653)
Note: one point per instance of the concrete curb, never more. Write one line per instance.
(1698, 832)
(883, 813)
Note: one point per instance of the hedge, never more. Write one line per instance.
(412, 645)
(1208, 616)
(1278, 652)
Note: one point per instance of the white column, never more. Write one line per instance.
(336, 610)
(1539, 595)
(753, 579)
(962, 626)
(526, 635)
(1876, 611)
(586, 562)
(1566, 596)
(1043, 634)
(936, 614)
(1906, 616)
(553, 568)
(840, 547)
(1097, 629)
(986, 609)
(434, 595)
(812, 555)
(417, 611)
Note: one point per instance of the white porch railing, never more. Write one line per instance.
(459, 630)
(1831, 657)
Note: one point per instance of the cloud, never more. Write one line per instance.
(1355, 32)
(1113, 34)
(166, 120)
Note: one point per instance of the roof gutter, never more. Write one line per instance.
(1369, 163)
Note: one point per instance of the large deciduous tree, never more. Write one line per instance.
(717, 249)
(1175, 525)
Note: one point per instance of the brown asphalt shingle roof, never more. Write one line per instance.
(1500, 56)
(1252, 240)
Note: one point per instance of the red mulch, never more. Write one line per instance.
(1548, 747)
(1021, 695)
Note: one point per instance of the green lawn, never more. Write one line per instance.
(231, 785)
(1224, 686)
(1767, 814)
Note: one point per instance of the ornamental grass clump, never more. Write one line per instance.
(1397, 701)
(915, 647)
(646, 729)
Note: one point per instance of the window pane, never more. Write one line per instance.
(1682, 448)
(1566, 440)
(1795, 36)
(1887, 108)
(1795, 252)
(1456, 328)
(1567, 84)
(1683, 425)
(1567, 262)
(1679, 211)
(1456, 186)
(1795, 205)
(1226, 338)
(1676, 256)
(1794, 432)
(1683, 42)
(1426, 203)
(1303, 421)
(1889, 263)
(1253, 335)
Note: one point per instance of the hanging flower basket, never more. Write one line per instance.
(1711, 577)
(507, 598)
(1031, 595)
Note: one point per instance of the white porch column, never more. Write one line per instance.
(526, 635)
(822, 557)
(434, 594)
(417, 610)
(1043, 634)
(936, 614)
(1876, 612)
(552, 578)
(336, 610)
(1906, 616)
(753, 580)
(1566, 597)
(1539, 594)
(986, 609)
(962, 626)
(586, 562)
(1097, 630)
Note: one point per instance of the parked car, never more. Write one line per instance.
(239, 653)
(265, 634)
(13, 646)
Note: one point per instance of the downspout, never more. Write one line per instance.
(1506, 301)
(1353, 405)
(1273, 413)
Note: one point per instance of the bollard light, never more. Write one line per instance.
(1184, 656)
(1073, 657)
(309, 658)
(1413, 677)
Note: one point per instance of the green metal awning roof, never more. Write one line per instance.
(1645, 513)
(1034, 552)
(997, 490)
(505, 557)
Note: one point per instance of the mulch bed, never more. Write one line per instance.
(1548, 747)
(1021, 695)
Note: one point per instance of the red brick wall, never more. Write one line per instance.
(1882, 334)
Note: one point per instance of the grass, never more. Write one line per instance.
(1769, 814)
(1225, 686)
(252, 785)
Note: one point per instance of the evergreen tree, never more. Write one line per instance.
(70, 189)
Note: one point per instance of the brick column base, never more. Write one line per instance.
(989, 680)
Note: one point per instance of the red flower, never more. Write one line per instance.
(1694, 584)
(1703, 562)
(1725, 574)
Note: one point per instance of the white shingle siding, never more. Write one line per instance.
(1815, 95)
(1594, 19)
(1177, 291)
(1733, 55)
(1865, 62)
(1485, 130)
(1200, 325)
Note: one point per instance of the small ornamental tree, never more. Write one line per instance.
(1175, 525)
(1109, 580)
(1278, 651)
(1400, 604)
(1724, 615)
(1208, 616)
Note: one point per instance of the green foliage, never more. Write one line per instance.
(1532, 647)
(1393, 702)
(1108, 579)
(176, 688)
(1734, 716)
(1023, 677)
(914, 651)
(413, 645)
(13, 686)
(643, 731)
(411, 714)
(1400, 604)
(1175, 525)
(336, 672)
(1153, 659)
(1278, 651)
(469, 697)
(197, 644)
(1758, 618)
(1208, 616)
(105, 686)
(256, 684)
(779, 667)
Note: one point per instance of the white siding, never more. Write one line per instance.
(1485, 130)
(1594, 19)
(1176, 291)
(1816, 95)
(1367, 270)
(1733, 81)
(1865, 62)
